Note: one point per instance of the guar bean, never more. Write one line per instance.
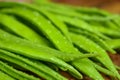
(15, 73)
(38, 68)
(24, 48)
(22, 30)
(90, 46)
(4, 76)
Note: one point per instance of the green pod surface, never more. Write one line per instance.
(112, 25)
(88, 70)
(104, 70)
(56, 11)
(90, 46)
(7, 20)
(109, 32)
(56, 22)
(38, 68)
(116, 21)
(15, 73)
(44, 26)
(62, 43)
(24, 48)
(94, 71)
(4, 76)
(80, 24)
(94, 38)
(114, 43)
(20, 29)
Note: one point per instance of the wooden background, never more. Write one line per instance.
(109, 5)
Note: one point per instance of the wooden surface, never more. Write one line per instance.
(109, 5)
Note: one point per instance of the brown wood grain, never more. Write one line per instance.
(109, 5)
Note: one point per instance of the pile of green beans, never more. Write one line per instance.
(39, 40)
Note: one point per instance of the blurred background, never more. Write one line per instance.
(109, 5)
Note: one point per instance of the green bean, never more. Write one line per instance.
(22, 30)
(85, 67)
(116, 21)
(69, 57)
(24, 48)
(53, 7)
(69, 51)
(103, 70)
(15, 73)
(108, 24)
(4, 76)
(114, 43)
(73, 14)
(117, 67)
(44, 26)
(94, 38)
(109, 32)
(80, 24)
(90, 46)
(53, 19)
(64, 56)
(62, 12)
(112, 25)
(38, 68)
(59, 24)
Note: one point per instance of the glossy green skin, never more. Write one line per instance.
(112, 25)
(26, 48)
(15, 73)
(38, 68)
(64, 56)
(22, 30)
(117, 20)
(114, 43)
(7, 20)
(69, 12)
(59, 24)
(84, 42)
(4, 76)
(94, 38)
(44, 26)
(104, 70)
(107, 31)
(87, 69)
(73, 13)
(91, 71)
(80, 24)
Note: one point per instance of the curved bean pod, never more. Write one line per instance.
(22, 30)
(83, 42)
(23, 47)
(4, 76)
(94, 38)
(15, 73)
(38, 68)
